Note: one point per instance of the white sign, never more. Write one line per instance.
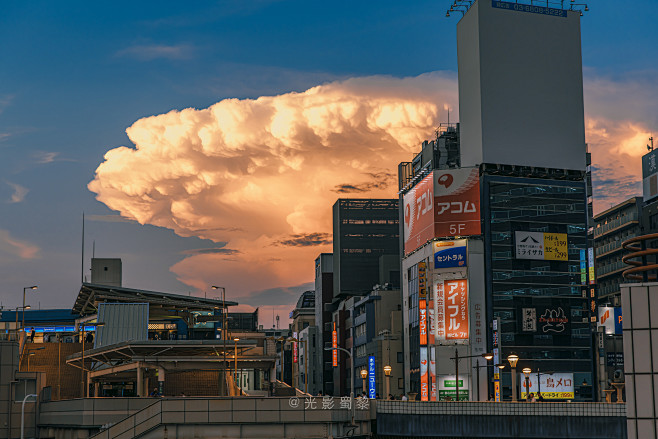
(551, 386)
(529, 245)
(529, 316)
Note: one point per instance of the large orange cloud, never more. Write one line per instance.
(262, 175)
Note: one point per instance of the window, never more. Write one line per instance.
(400, 357)
(361, 351)
(361, 330)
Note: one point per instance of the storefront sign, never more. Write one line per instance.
(372, 387)
(448, 388)
(551, 386)
(450, 254)
(424, 374)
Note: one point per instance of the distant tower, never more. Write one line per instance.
(106, 271)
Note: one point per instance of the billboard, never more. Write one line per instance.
(422, 321)
(452, 311)
(372, 382)
(450, 254)
(418, 214)
(541, 246)
(334, 344)
(649, 175)
(551, 386)
(424, 374)
(610, 319)
(448, 388)
(457, 202)
(446, 203)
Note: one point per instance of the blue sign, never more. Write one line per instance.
(449, 257)
(619, 330)
(372, 390)
(543, 10)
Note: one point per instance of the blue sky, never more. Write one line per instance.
(74, 76)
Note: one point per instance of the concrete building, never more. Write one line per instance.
(612, 227)
(303, 316)
(324, 293)
(498, 239)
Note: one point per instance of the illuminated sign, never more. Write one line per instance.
(541, 246)
(583, 267)
(551, 386)
(372, 387)
(334, 344)
(590, 265)
(422, 280)
(610, 318)
(295, 352)
(534, 9)
(452, 311)
(448, 388)
(450, 254)
(446, 203)
(422, 322)
(424, 374)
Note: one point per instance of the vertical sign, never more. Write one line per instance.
(593, 305)
(424, 374)
(422, 280)
(432, 373)
(496, 359)
(440, 310)
(456, 202)
(590, 264)
(583, 267)
(334, 344)
(422, 321)
(418, 214)
(455, 301)
(295, 351)
(372, 390)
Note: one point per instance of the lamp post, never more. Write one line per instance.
(457, 358)
(488, 357)
(526, 371)
(235, 372)
(224, 332)
(351, 378)
(30, 353)
(387, 373)
(33, 287)
(24, 307)
(513, 359)
(364, 377)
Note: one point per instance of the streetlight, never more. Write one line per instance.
(526, 371)
(513, 359)
(16, 313)
(33, 287)
(387, 373)
(351, 377)
(364, 377)
(488, 356)
(224, 332)
(235, 372)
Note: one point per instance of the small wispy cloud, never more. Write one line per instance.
(19, 192)
(16, 247)
(150, 52)
(43, 157)
(109, 219)
(209, 251)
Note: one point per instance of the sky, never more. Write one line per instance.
(206, 142)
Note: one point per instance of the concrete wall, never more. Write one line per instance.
(520, 88)
(640, 323)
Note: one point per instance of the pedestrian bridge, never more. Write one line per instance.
(554, 420)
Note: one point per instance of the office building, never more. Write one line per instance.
(492, 248)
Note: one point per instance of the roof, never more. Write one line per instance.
(92, 294)
(40, 316)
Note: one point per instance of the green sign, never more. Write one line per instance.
(452, 394)
(452, 383)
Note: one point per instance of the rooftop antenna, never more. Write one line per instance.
(650, 146)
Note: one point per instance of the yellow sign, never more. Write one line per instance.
(555, 247)
(552, 395)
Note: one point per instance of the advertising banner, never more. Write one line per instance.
(553, 320)
(334, 344)
(372, 387)
(455, 300)
(590, 266)
(450, 254)
(610, 319)
(552, 386)
(432, 374)
(295, 352)
(431, 323)
(422, 321)
(457, 202)
(418, 214)
(448, 388)
(541, 246)
(440, 311)
(424, 374)
(583, 267)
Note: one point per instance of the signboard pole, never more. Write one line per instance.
(457, 372)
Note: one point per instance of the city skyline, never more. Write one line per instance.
(220, 140)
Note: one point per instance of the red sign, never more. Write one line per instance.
(295, 352)
(424, 374)
(418, 214)
(422, 321)
(456, 202)
(334, 344)
(455, 300)
(446, 203)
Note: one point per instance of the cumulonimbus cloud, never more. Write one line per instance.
(261, 175)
